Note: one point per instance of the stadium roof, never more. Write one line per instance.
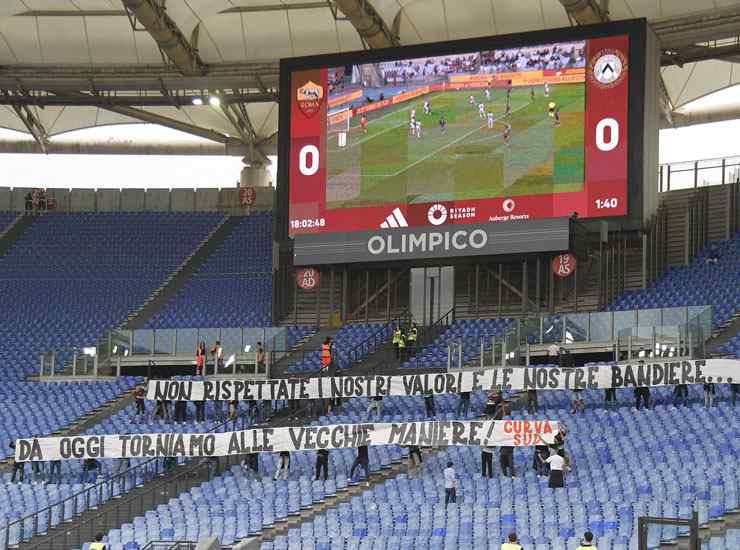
(71, 64)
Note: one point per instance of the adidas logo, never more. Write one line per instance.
(394, 219)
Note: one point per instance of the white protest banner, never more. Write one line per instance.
(630, 375)
(494, 433)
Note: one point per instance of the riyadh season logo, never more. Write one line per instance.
(509, 205)
(437, 214)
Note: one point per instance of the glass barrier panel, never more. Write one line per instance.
(600, 326)
(576, 327)
(251, 337)
(186, 341)
(164, 341)
(710, 172)
(231, 340)
(667, 341)
(529, 331)
(674, 315)
(552, 329)
(649, 317)
(624, 319)
(143, 342)
(121, 342)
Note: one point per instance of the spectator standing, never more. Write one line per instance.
(259, 358)
(251, 463)
(512, 543)
(413, 336)
(326, 355)
(709, 390)
(362, 460)
(200, 359)
(642, 394)
(139, 393)
(451, 484)
(463, 404)
(429, 404)
(375, 405)
(217, 354)
(402, 355)
(486, 457)
(541, 452)
(681, 395)
(200, 411)
(18, 467)
(415, 458)
(557, 465)
(735, 389)
(610, 398)
(506, 459)
(322, 463)
(588, 542)
(55, 467)
(553, 354)
(180, 411)
(532, 407)
(577, 401)
(283, 465)
(233, 409)
(91, 468)
(98, 544)
(396, 339)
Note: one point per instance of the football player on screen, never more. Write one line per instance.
(427, 108)
(481, 111)
(547, 90)
(507, 135)
(490, 120)
(471, 100)
(442, 123)
(488, 94)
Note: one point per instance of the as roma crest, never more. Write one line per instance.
(309, 98)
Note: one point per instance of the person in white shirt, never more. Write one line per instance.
(471, 100)
(490, 120)
(413, 114)
(557, 465)
(418, 128)
(553, 351)
(488, 94)
(451, 483)
(481, 110)
(427, 108)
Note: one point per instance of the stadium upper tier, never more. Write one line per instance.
(233, 288)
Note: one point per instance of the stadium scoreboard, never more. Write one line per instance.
(446, 149)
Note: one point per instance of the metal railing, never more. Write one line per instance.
(698, 173)
(170, 545)
(102, 493)
(643, 524)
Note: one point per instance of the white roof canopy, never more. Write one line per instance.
(101, 45)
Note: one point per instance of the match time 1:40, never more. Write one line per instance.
(607, 203)
(307, 223)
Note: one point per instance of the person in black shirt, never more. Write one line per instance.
(361, 460)
(283, 465)
(463, 404)
(322, 463)
(429, 404)
(506, 459)
(17, 466)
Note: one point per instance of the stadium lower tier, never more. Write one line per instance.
(625, 463)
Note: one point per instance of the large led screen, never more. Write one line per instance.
(465, 136)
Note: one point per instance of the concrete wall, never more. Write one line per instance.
(182, 200)
(82, 200)
(138, 200)
(650, 198)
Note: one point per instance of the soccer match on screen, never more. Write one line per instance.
(504, 122)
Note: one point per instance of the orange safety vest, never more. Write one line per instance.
(325, 355)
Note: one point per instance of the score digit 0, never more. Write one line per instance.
(601, 142)
(306, 152)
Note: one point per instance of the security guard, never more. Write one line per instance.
(402, 347)
(326, 355)
(98, 544)
(513, 544)
(396, 339)
(588, 542)
(413, 333)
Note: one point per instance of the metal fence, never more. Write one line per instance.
(111, 494)
(698, 173)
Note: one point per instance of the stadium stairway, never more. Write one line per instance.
(13, 226)
(716, 529)
(169, 287)
(281, 368)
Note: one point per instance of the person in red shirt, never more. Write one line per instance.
(139, 394)
(363, 124)
(200, 358)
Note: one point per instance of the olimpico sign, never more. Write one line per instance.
(427, 242)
